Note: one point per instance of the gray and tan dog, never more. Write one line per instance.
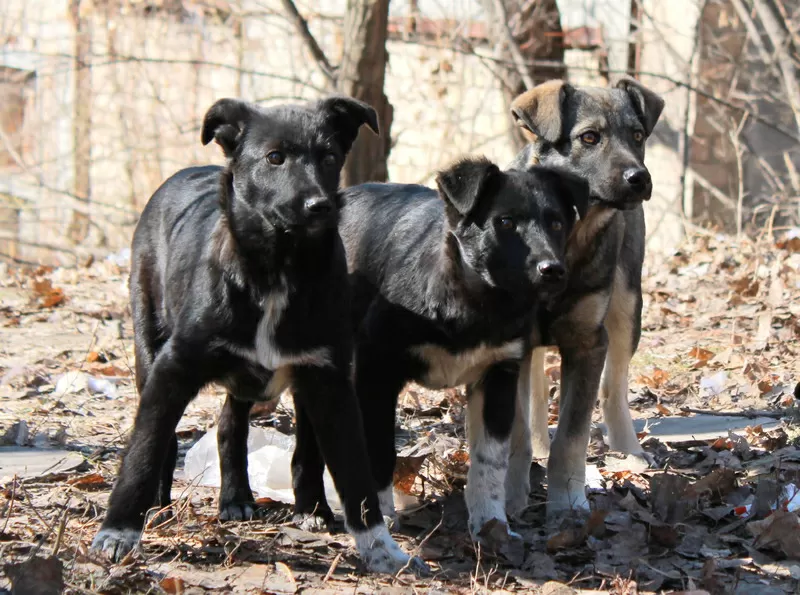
(599, 134)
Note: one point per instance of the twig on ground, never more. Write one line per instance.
(748, 413)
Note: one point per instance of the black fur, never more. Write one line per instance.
(239, 277)
(438, 270)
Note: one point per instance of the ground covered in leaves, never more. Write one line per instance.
(712, 388)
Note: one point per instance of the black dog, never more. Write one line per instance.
(239, 277)
(444, 291)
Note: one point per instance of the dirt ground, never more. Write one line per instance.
(721, 335)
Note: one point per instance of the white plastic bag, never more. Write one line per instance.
(269, 465)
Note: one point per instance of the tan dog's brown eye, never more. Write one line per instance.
(638, 136)
(506, 223)
(329, 160)
(276, 157)
(590, 138)
(556, 226)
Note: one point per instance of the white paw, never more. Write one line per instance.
(381, 553)
(563, 501)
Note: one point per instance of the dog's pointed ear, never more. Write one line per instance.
(224, 122)
(540, 111)
(348, 115)
(573, 190)
(462, 184)
(648, 105)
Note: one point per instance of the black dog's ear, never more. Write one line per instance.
(573, 190)
(540, 111)
(224, 122)
(348, 116)
(462, 184)
(648, 105)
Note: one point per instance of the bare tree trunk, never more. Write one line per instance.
(361, 75)
(524, 31)
(779, 37)
(82, 121)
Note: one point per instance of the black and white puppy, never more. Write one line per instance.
(445, 286)
(239, 277)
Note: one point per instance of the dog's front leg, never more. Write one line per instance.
(327, 397)
(581, 368)
(518, 483)
(171, 385)
(236, 501)
(490, 417)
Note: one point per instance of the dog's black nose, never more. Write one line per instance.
(551, 270)
(317, 205)
(637, 176)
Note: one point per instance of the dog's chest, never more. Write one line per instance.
(446, 369)
(267, 353)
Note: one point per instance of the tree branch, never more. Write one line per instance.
(780, 39)
(302, 28)
(516, 54)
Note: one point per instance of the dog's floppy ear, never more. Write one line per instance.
(540, 111)
(224, 122)
(462, 184)
(648, 105)
(348, 116)
(573, 190)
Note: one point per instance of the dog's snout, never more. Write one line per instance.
(638, 177)
(551, 270)
(317, 205)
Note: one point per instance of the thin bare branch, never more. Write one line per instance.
(311, 43)
(516, 54)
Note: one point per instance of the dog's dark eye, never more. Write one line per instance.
(506, 223)
(556, 226)
(329, 160)
(590, 138)
(276, 157)
(638, 136)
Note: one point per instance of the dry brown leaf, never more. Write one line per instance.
(93, 481)
(569, 538)
(406, 472)
(663, 410)
(701, 356)
(112, 370)
(717, 484)
(172, 585)
(780, 531)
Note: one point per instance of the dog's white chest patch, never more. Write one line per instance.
(266, 353)
(447, 370)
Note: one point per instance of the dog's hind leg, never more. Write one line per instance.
(490, 418)
(377, 388)
(518, 482)
(311, 509)
(236, 501)
(623, 324)
(540, 405)
(171, 385)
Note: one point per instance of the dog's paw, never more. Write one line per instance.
(386, 502)
(380, 553)
(498, 538)
(566, 503)
(116, 543)
(238, 511)
(159, 517)
(313, 523)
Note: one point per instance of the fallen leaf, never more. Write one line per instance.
(569, 538)
(780, 531)
(112, 370)
(93, 481)
(701, 356)
(173, 586)
(406, 472)
(663, 410)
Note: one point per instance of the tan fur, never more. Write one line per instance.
(586, 230)
(540, 106)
